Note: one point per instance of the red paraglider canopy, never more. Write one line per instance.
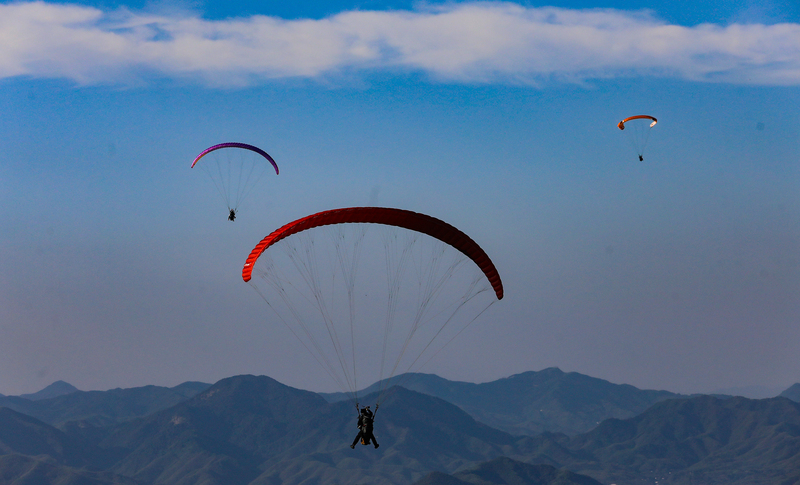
(392, 217)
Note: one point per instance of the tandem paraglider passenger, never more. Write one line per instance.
(365, 420)
(232, 215)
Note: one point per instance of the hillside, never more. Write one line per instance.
(792, 393)
(101, 408)
(253, 430)
(699, 440)
(58, 388)
(505, 471)
(535, 402)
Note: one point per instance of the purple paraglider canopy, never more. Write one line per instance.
(236, 145)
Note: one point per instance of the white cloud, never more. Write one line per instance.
(486, 42)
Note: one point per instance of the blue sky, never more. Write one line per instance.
(681, 272)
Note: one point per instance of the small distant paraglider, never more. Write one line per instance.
(638, 131)
(235, 169)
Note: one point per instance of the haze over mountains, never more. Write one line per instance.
(534, 427)
(58, 388)
(507, 471)
(535, 402)
(100, 408)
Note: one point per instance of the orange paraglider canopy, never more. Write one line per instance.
(621, 124)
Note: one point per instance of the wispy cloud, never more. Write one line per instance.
(484, 42)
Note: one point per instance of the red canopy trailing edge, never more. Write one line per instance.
(237, 145)
(391, 217)
(621, 124)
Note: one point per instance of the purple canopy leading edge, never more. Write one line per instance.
(237, 145)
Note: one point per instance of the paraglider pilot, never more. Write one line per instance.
(365, 420)
(232, 215)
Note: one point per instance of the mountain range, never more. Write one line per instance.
(533, 402)
(58, 388)
(99, 408)
(255, 430)
(505, 471)
(704, 439)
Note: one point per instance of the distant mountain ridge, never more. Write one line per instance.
(792, 393)
(58, 388)
(227, 430)
(253, 430)
(102, 408)
(25, 435)
(703, 439)
(41, 471)
(505, 471)
(534, 402)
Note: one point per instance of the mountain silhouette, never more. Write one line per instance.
(249, 429)
(253, 430)
(24, 435)
(417, 433)
(58, 388)
(226, 431)
(41, 471)
(102, 408)
(704, 439)
(792, 393)
(505, 471)
(534, 402)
